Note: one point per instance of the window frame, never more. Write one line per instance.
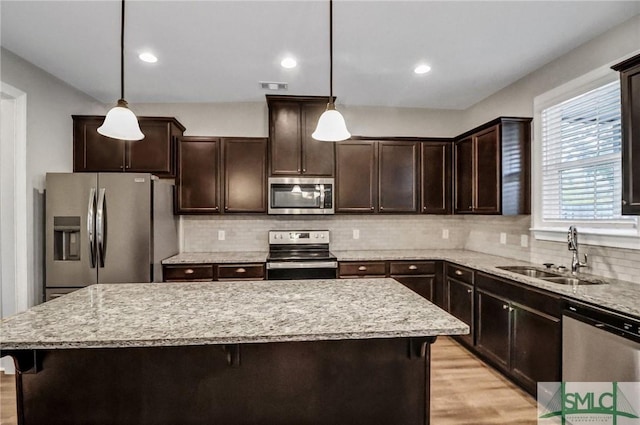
(611, 233)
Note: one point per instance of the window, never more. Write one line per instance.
(577, 165)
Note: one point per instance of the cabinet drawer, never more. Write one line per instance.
(363, 268)
(191, 272)
(459, 273)
(240, 271)
(411, 267)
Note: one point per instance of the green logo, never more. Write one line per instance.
(589, 402)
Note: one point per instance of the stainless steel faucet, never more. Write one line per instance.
(572, 239)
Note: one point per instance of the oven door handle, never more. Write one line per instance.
(303, 265)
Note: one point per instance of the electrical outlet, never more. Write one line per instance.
(524, 241)
(503, 238)
(221, 235)
(356, 234)
(445, 233)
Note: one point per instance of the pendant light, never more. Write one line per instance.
(120, 122)
(331, 126)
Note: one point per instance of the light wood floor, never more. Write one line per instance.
(463, 391)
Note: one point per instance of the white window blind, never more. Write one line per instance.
(581, 164)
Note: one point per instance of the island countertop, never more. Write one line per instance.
(175, 314)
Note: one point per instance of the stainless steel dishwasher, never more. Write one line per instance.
(598, 345)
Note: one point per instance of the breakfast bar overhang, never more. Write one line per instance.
(352, 351)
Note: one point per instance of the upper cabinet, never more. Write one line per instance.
(293, 152)
(492, 168)
(377, 176)
(630, 94)
(435, 177)
(221, 174)
(154, 154)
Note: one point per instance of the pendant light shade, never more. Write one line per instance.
(331, 126)
(120, 122)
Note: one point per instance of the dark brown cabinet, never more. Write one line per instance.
(377, 176)
(154, 154)
(419, 276)
(292, 120)
(198, 181)
(630, 94)
(492, 168)
(459, 298)
(227, 171)
(356, 176)
(350, 269)
(435, 177)
(212, 272)
(518, 330)
(245, 175)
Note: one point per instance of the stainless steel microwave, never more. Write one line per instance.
(301, 195)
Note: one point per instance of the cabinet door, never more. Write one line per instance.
(356, 177)
(487, 171)
(422, 285)
(630, 92)
(464, 189)
(536, 347)
(154, 153)
(318, 157)
(493, 324)
(398, 176)
(197, 185)
(460, 304)
(245, 175)
(285, 138)
(93, 151)
(436, 177)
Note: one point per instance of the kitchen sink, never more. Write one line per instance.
(529, 271)
(550, 276)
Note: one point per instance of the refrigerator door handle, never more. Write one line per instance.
(101, 227)
(91, 228)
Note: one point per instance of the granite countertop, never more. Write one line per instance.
(171, 314)
(217, 257)
(618, 295)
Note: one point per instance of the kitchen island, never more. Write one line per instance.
(350, 351)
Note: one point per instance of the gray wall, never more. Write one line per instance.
(50, 104)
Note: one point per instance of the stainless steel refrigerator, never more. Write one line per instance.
(107, 228)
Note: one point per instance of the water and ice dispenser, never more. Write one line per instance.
(66, 238)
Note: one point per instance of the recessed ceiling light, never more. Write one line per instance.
(289, 63)
(148, 57)
(422, 69)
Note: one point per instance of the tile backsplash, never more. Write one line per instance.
(476, 233)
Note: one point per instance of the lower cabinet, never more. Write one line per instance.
(419, 276)
(212, 272)
(459, 300)
(519, 330)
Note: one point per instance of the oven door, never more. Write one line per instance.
(289, 270)
(294, 195)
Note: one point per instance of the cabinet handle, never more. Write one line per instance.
(188, 271)
(362, 268)
(371, 208)
(216, 208)
(304, 170)
(412, 267)
(624, 202)
(226, 208)
(459, 273)
(469, 291)
(511, 308)
(505, 306)
(424, 208)
(122, 167)
(241, 270)
(381, 208)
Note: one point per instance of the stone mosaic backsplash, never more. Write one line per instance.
(376, 232)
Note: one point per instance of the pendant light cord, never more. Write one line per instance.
(122, 54)
(330, 52)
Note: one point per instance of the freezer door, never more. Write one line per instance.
(69, 227)
(123, 227)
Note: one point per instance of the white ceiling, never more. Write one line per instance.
(217, 51)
